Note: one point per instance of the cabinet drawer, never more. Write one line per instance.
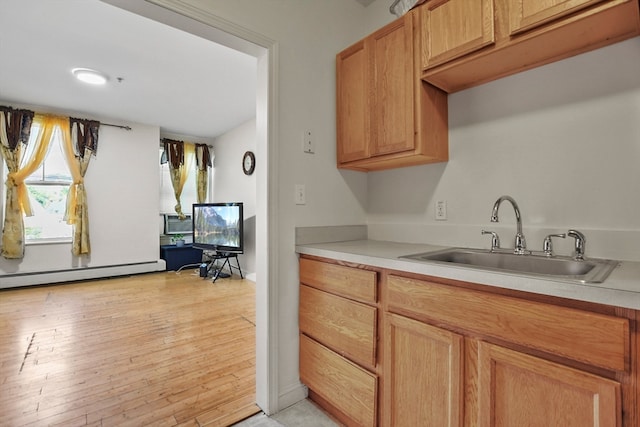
(345, 281)
(341, 324)
(345, 385)
(596, 339)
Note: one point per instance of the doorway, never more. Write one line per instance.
(264, 50)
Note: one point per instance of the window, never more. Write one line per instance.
(167, 198)
(48, 187)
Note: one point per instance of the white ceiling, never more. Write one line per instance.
(183, 83)
(180, 82)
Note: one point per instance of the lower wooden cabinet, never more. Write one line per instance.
(346, 386)
(491, 360)
(456, 354)
(516, 390)
(338, 320)
(423, 374)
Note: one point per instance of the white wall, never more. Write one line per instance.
(122, 194)
(230, 184)
(309, 34)
(563, 140)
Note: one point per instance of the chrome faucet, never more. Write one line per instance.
(520, 246)
(547, 246)
(580, 244)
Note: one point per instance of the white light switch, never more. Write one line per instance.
(301, 194)
(308, 144)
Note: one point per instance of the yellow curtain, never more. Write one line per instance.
(179, 170)
(77, 212)
(17, 194)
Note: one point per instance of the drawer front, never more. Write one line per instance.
(346, 326)
(337, 279)
(591, 338)
(345, 385)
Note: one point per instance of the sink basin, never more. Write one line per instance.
(587, 271)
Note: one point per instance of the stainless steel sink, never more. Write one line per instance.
(586, 271)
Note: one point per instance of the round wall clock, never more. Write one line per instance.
(248, 163)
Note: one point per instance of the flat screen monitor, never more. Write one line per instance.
(218, 227)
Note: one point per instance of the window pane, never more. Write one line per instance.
(168, 199)
(48, 205)
(56, 168)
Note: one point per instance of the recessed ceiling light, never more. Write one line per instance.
(90, 76)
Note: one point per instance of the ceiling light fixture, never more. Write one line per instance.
(90, 76)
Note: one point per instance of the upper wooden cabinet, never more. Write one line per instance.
(353, 103)
(386, 116)
(393, 86)
(465, 43)
(527, 14)
(452, 28)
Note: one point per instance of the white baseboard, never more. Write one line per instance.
(84, 273)
(292, 395)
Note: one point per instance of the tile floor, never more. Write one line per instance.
(303, 414)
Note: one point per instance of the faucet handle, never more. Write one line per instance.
(495, 240)
(580, 244)
(547, 247)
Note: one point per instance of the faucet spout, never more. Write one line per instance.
(520, 245)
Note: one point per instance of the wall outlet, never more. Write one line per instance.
(441, 210)
(308, 144)
(300, 194)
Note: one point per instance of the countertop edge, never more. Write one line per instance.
(621, 289)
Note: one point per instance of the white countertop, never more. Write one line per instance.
(621, 288)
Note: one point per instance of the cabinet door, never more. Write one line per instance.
(516, 389)
(527, 14)
(353, 84)
(423, 374)
(452, 28)
(393, 88)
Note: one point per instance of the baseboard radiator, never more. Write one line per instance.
(81, 273)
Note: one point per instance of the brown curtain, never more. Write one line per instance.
(15, 127)
(203, 163)
(79, 146)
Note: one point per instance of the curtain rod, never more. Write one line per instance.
(116, 126)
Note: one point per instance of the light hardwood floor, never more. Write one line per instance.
(160, 349)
